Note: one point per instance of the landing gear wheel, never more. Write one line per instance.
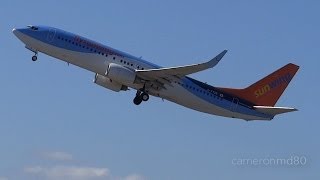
(34, 58)
(137, 100)
(144, 96)
(141, 95)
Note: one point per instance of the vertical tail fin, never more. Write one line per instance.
(268, 90)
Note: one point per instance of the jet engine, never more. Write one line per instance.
(109, 83)
(121, 74)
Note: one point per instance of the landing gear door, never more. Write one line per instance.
(51, 34)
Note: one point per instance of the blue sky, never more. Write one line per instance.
(56, 124)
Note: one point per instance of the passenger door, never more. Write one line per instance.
(51, 34)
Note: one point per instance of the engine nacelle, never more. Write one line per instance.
(121, 74)
(108, 83)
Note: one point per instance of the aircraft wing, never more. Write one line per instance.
(165, 74)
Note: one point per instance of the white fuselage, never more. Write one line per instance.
(175, 92)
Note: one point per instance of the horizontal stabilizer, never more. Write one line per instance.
(274, 110)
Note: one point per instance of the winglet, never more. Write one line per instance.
(216, 59)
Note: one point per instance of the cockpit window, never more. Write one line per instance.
(33, 27)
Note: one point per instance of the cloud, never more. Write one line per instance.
(58, 155)
(3, 178)
(72, 172)
(68, 172)
(134, 177)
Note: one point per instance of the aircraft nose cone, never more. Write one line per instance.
(16, 31)
(19, 33)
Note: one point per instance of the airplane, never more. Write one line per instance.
(119, 71)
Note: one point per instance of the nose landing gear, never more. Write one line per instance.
(35, 56)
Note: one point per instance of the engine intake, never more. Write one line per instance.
(121, 74)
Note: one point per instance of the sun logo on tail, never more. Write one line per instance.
(273, 84)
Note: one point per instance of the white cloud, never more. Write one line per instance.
(134, 177)
(68, 172)
(58, 155)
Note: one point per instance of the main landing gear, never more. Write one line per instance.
(141, 95)
(35, 56)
